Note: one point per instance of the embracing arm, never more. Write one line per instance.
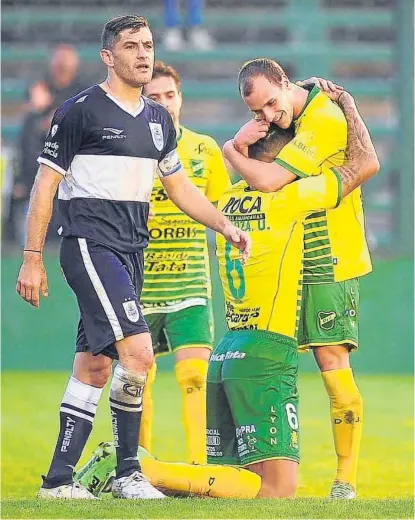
(361, 160)
(265, 177)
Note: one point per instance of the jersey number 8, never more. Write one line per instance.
(234, 269)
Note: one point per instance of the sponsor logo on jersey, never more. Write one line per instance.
(82, 99)
(310, 152)
(157, 135)
(115, 133)
(54, 130)
(51, 148)
(173, 233)
(131, 311)
(326, 319)
(243, 205)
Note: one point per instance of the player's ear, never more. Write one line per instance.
(107, 57)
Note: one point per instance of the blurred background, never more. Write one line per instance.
(50, 51)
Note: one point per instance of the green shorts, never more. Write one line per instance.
(175, 330)
(329, 315)
(252, 399)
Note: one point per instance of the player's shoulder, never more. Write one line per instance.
(156, 110)
(77, 104)
(205, 143)
(327, 111)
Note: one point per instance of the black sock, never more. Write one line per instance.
(126, 408)
(77, 413)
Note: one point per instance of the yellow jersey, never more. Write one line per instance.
(176, 262)
(265, 293)
(335, 247)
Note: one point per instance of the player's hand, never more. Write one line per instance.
(32, 279)
(239, 239)
(325, 85)
(250, 133)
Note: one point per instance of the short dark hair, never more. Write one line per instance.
(162, 70)
(275, 140)
(113, 28)
(266, 67)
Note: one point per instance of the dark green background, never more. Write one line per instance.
(43, 339)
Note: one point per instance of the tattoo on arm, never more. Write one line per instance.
(361, 157)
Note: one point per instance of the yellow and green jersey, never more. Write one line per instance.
(335, 247)
(176, 262)
(265, 293)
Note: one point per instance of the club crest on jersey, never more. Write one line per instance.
(197, 167)
(131, 311)
(157, 135)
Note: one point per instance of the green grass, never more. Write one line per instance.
(29, 427)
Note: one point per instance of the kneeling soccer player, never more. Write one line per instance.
(252, 394)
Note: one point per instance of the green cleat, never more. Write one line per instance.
(97, 473)
(342, 490)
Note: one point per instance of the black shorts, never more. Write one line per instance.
(107, 285)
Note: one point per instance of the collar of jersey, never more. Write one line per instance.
(134, 113)
(311, 95)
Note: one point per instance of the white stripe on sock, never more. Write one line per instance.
(76, 412)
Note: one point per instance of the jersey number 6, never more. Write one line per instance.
(234, 269)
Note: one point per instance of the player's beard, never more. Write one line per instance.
(131, 77)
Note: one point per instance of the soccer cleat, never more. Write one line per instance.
(136, 486)
(342, 490)
(97, 473)
(72, 491)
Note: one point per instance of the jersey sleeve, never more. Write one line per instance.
(305, 154)
(312, 194)
(64, 138)
(169, 161)
(219, 177)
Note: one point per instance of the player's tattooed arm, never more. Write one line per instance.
(361, 160)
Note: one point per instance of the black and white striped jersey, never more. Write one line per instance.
(108, 157)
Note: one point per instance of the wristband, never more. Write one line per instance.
(31, 251)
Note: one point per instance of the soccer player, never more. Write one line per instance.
(252, 397)
(103, 149)
(336, 252)
(176, 297)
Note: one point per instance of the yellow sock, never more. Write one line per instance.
(347, 419)
(213, 481)
(191, 376)
(146, 425)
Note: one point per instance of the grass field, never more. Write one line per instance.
(29, 427)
